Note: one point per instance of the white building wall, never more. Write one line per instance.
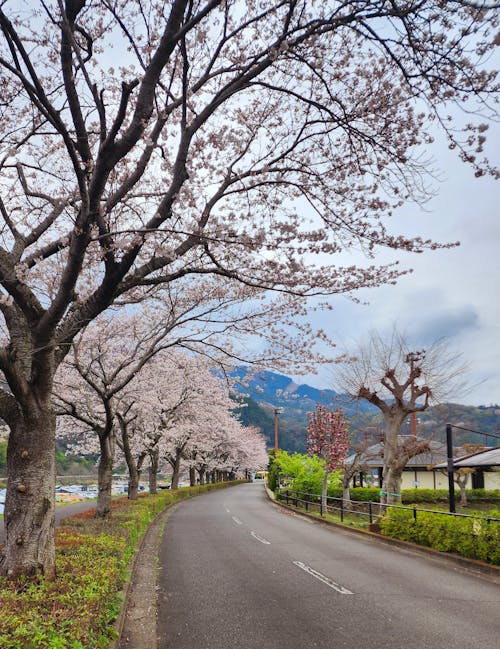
(439, 480)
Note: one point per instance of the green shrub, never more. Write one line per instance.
(424, 496)
(273, 474)
(473, 537)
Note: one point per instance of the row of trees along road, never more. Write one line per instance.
(150, 145)
(126, 393)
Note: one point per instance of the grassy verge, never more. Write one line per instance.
(476, 537)
(93, 558)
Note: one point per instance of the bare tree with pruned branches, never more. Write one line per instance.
(400, 381)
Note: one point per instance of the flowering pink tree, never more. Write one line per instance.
(328, 438)
(143, 143)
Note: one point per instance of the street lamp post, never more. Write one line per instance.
(276, 414)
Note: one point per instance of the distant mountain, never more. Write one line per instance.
(264, 392)
(278, 391)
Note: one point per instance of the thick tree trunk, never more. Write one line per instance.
(154, 457)
(135, 470)
(176, 466)
(105, 475)
(133, 483)
(393, 467)
(192, 476)
(391, 487)
(30, 501)
(202, 473)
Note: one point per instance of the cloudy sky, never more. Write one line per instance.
(451, 293)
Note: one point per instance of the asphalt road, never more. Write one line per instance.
(62, 511)
(237, 572)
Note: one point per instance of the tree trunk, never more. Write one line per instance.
(30, 501)
(133, 483)
(461, 479)
(463, 496)
(176, 465)
(154, 457)
(132, 464)
(202, 473)
(391, 486)
(324, 491)
(392, 471)
(105, 475)
(192, 476)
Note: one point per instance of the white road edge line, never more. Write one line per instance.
(326, 580)
(260, 538)
(237, 520)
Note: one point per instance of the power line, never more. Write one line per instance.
(479, 432)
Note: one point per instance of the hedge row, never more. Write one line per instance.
(474, 538)
(411, 496)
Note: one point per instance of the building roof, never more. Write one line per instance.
(485, 458)
(374, 455)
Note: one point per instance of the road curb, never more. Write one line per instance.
(479, 568)
(138, 579)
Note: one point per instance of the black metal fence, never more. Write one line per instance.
(368, 511)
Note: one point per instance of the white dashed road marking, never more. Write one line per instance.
(260, 538)
(237, 520)
(326, 580)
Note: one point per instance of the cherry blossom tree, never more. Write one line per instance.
(328, 438)
(141, 143)
(186, 415)
(400, 381)
(93, 385)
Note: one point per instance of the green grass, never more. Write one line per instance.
(93, 560)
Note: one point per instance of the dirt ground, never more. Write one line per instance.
(139, 619)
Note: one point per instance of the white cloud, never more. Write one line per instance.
(453, 293)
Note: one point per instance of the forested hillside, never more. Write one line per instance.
(265, 392)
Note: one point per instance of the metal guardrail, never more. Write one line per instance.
(368, 509)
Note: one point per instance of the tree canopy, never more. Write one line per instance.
(146, 144)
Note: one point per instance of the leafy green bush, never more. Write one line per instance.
(77, 610)
(424, 496)
(360, 494)
(441, 495)
(273, 474)
(474, 537)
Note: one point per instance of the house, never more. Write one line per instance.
(486, 465)
(426, 470)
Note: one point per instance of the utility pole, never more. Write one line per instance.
(276, 414)
(411, 358)
(449, 454)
